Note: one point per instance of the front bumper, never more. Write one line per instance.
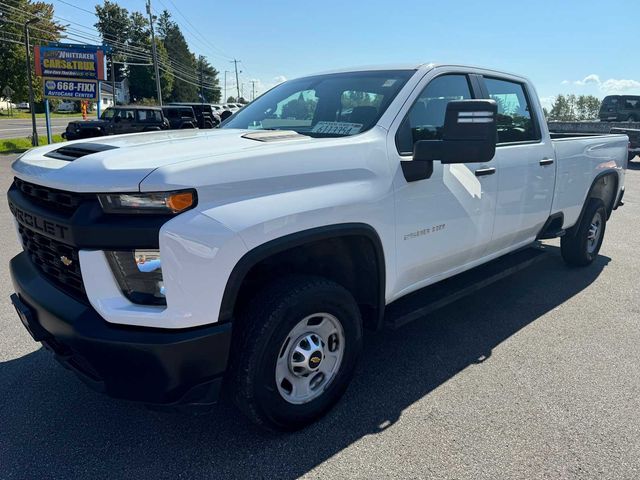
(170, 368)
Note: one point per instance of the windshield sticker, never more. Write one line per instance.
(337, 128)
(389, 83)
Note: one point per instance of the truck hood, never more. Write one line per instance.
(120, 163)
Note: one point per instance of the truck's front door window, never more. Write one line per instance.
(331, 105)
(515, 123)
(425, 120)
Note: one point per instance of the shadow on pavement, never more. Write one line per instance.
(52, 425)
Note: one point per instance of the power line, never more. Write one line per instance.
(204, 39)
(77, 7)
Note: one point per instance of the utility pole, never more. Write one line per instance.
(224, 100)
(235, 63)
(113, 82)
(155, 53)
(201, 61)
(34, 131)
(253, 90)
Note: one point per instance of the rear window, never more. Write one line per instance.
(149, 116)
(515, 122)
(610, 101)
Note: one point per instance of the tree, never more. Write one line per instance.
(142, 83)
(231, 100)
(561, 110)
(129, 35)
(208, 80)
(178, 54)
(587, 107)
(114, 26)
(13, 57)
(573, 108)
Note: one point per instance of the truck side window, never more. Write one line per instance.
(515, 123)
(426, 117)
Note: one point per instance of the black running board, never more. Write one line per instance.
(424, 301)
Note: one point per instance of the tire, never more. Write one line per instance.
(269, 343)
(581, 244)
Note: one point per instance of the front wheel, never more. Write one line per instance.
(581, 244)
(297, 349)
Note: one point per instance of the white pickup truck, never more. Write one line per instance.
(163, 266)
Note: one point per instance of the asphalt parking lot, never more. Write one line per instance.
(537, 376)
(21, 127)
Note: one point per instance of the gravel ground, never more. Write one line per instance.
(537, 376)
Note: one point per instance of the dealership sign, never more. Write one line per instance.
(70, 88)
(69, 62)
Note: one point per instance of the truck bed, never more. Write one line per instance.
(559, 130)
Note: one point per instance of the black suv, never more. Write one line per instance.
(117, 120)
(620, 108)
(180, 116)
(205, 115)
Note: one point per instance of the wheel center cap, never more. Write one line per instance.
(315, 359)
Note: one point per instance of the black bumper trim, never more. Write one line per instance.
(153, 366)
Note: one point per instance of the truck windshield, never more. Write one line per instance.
(332, 105)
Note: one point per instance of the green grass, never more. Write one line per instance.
(19, 145)
(4, 115)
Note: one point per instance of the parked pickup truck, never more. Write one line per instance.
(166, 266)
(117, 121)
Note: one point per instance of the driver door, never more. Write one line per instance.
(443, 223)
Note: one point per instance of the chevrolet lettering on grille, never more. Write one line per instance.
(39, 224)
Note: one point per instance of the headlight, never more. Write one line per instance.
(155, 203)
(139, 275)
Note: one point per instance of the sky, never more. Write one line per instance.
(563, 46)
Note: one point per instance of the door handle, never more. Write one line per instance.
(546, 161)
(481, 172)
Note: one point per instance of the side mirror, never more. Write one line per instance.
(468, 136)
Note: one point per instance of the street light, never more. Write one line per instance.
(34, 133)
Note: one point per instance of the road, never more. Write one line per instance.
(537, 376)
(21, 127)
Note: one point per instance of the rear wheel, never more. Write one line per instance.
(296, 351)
(581, 244)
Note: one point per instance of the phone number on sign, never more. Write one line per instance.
(72, 86)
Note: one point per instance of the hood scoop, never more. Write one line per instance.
(273, 135)
(70, 153)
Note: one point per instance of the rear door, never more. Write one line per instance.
(525, 163)
(124, 120)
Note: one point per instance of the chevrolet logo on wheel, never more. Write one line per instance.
(66, 261)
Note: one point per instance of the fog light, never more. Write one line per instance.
(139, 275)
